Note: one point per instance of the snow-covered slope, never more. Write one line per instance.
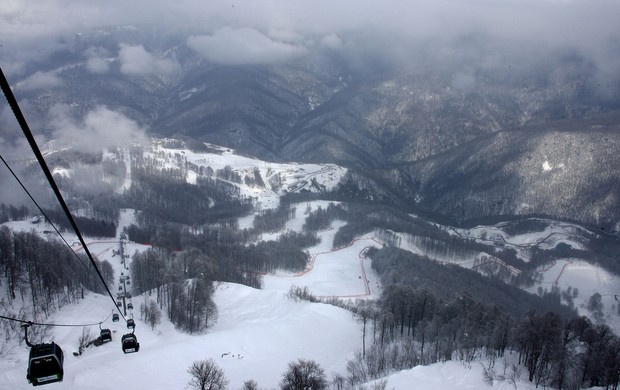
(258, 331)
(277, 178)
(257, 334)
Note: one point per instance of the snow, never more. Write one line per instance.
(257, 334)
(332, 272)
(58, 171)
(260, 331)
(342, 272)
(588, 279)
(563, 273)
(555, 233)
(279, 178)
(546, 166)
(455, 376)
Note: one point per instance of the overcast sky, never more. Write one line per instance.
(459, 35)
(464, 34)
(250, 31)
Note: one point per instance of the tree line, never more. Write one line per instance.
(412, 326)
(183, 283)
(12, 213)
(394, 265)
(170, 198)
(45, 272)
(302, 374)
(88, 226)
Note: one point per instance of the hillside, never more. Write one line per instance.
(258, 332)
(458, 140)
(405, 193)
(334, 270)
(524, 252)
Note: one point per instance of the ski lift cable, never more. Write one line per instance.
(29, 323)
(79, 259)
(43, 212)
(8, 93)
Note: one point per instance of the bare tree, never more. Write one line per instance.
(302, 375)
(154, 314)
(250, 385)
(206, 375)
(85, 339)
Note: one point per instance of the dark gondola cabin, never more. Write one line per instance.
(130, 343)
(105, 335)
(45, 364)
(115, 317)
(131, 324)
(130, 306)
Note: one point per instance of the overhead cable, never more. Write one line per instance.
(8, 93)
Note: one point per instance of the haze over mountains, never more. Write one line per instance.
(465, 152)
(485, 112)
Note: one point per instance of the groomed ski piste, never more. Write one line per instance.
(259, 332)
(586, 278)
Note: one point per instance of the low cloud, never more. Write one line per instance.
(464, 81)
(97, 65)
(99, 129)
(18, 154)
(244, 46)
(40, 80)
(98, 60)
(331, 41)
(400, 32)
(136, 61)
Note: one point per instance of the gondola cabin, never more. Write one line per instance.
(115, 317)
(130, 343)
(131, 324)
(105, 335)
(45, 364)
(130, 306)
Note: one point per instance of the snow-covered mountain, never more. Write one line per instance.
(459, 139)
(576, 274)
(257, 334)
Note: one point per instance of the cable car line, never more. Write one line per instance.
(45, 361)
(8, 93)
(43, 212)
(28, 323)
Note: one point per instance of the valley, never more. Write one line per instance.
(246, 340)
(405, 195)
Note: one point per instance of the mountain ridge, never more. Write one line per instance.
(394, 126)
